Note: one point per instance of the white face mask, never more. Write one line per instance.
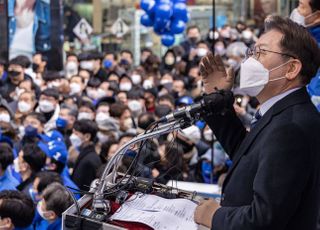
(88, 65)
(21, 131)
(208, 135)
(136, 79)
(41, 212)
(101, 117)
(297, 17)
(75, 88)
(5, 117)
(16, 166)
(102, 137)
(46, 106)
(75, 140)
(101, 93)
(254, 76)
(128, 123)
(135, 106)
(147, 84)
(24, 106)
(126, 86)
(85, 115)
(92, 93)
(71, 69)
(201, 52)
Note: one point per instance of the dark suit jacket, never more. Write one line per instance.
(86, 167)
(274, 181)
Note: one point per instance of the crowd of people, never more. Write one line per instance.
(60, 129)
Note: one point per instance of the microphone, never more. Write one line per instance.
(190, 112)
(215, 103)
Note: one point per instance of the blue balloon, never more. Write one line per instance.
(161, 23)
(147, 5)
(146, 20)
(177, 26)
(184, 1)
(163, 11)
(180, 10)
(167, 40)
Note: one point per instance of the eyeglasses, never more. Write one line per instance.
(255, 51)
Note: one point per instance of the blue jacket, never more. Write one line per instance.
(314, 86)
(8, 182)
(41, 27)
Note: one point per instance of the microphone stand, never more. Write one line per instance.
(108, 179)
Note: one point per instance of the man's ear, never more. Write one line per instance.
(294, 69)
(6, 223)
(52, 215)
(87, 137)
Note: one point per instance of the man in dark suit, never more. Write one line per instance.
(274, 182)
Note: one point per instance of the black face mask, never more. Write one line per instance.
(35, 67)
(185, 146)
(193, 40)
(14, 73)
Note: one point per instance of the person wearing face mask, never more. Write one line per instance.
(56, 161)
(263, 180)
(72, 65)
(76, 85)
(55, 201)
(31, 160)
(16, 210)
(86, 111)
(15, 76)
(83, 138)
(126, 60)
(307, 14)
(25, 105)
(193, 36)
(125, 83)
(122, 114)
(168, 62)
(49, 107)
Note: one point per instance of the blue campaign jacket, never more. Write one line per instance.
(314, 86)
(41, 27)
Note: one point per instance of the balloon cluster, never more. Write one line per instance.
(167, 17)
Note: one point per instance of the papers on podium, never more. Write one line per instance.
(157, 212)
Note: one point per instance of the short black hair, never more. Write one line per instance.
(51, 76)
(117, 109)
(87, 104)
(34, 156)
(51, 92)
(20, 60)
(46, 178)
(126, 51)
(315, 5)
(192, 27)
(18, 207)
(71, 54)
(166, 97)
(145, 120)
(94, 82)
(6, 155)
(72, 112)
(85, 126)
(115, 56)
(299, 43)
(39, 116)
(105, 147)
(57, 198)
